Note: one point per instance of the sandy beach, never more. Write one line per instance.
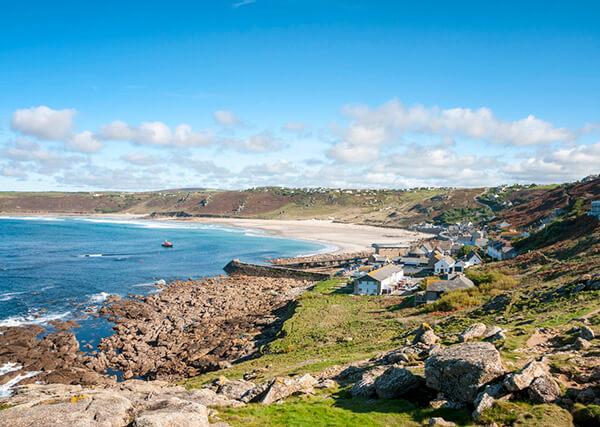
(345, 237)
(342, 237)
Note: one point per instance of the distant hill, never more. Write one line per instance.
(522, 206)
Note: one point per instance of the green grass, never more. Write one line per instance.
(525, 415)
(339, 411)
(328, 326)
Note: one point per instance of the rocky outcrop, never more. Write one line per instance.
(544, 390)
(394, 382)
(425, 335)
(365, 387)
(280, 388)
(587, 333)
(460, 370)
(474, 331)
(194, 327)
(522, 379)
(172, 412)
(133, 402)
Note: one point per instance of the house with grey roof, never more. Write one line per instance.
(435, 288)
(444, 265)
(384, 280)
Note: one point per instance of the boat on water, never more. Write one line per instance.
(167, 244)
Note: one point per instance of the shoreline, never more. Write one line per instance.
(337, 237)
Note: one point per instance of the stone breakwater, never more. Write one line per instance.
(189, 328)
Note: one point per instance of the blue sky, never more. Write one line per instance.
(233, 94)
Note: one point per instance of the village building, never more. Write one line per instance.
(444, 265)
(378, 259)
(384, 280)
(500, 250)
(391, 250)
(471, 259)
(503, 225)
(435, 288)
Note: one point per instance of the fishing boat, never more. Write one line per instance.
(167, 244)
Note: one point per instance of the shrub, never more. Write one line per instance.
(453, 300)
(488, 281)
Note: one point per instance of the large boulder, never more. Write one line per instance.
(235, 389)
(544, 390)
(587, 333)
(365, 387)
(522, 379)
(103, 408)
(460, 370)
(172, 412)
(474, 331)
(284, 387)
(425, 335)
(395, 382)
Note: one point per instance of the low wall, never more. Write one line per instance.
(237, 267)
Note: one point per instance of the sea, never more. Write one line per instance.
(66, 267)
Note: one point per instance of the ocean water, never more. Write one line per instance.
(55, 268)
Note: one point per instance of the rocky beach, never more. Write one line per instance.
(188, 328)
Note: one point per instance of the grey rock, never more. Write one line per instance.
(522, 379)
(395, 382)
(425, 335)
(284, 387)
(581, 344)
(474, 331)
(440, 422)
(327, 383)
(235, 389)
(544, 390)
(104, 409)
(365, 387)
(172, 412)
(491, 331)
(487, 398)
(460, 370)
(587, 333)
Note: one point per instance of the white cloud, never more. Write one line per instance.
(226, 118)
(557, 166)
(13, 170)
(42, 161)
(295, 127)
(353, 153)
(140, 159)
(85, 142)
(383, 124)
(156, 133)
(108, 178)
(259, 143)
(279, 167)
(44, 123)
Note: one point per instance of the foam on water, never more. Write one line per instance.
(31, 319)
(7, 388)
(33, 218)
(98, 298)
(9, 367)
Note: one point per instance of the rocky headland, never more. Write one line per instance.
(188, 328)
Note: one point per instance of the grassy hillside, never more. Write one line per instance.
(522, 206)
(535, 298)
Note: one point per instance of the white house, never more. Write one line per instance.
(467, 261)
(501, 250)
(444, 265)
(384, 280)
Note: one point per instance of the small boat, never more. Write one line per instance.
(167, 244)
